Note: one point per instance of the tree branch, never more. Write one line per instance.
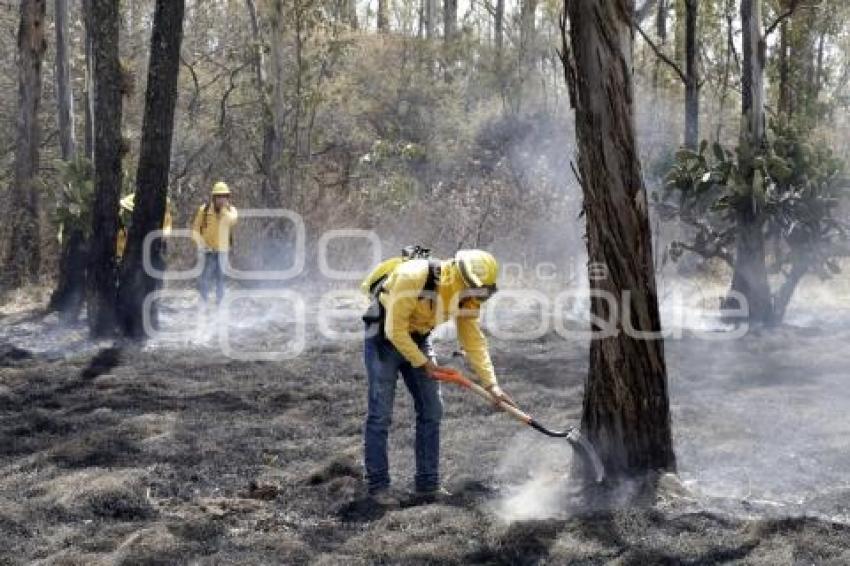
(661, 55)
(643, 12)
(706, 253)
(792, 8)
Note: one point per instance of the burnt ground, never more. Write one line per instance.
(175, 453)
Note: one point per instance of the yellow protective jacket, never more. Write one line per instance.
(121, 239)
(214, 229)
(407, 312)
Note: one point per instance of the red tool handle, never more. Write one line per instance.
(449, 375)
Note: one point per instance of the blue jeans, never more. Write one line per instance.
(383, 364)
(212, 274)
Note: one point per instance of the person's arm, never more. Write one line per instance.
(196, 225)
(400, 302)
(473, 341)
(167, 222)
(230, 215)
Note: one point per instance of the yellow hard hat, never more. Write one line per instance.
(477, 268)
(221, 189)
(128, 203)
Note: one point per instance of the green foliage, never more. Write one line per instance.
(383, 150)
(795, 191)
(807, 189)
(74, 197)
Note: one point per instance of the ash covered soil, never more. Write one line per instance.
(175, 453)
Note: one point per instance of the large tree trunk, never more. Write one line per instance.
(154, 166)
(661, 31)
(352, 14)
(89, 93)
(64, 92)
(752, 79)
(449, 20)
(626, 408)
(499, 31)
(749, 277)
(270, 84)
(24, 252)
(383, 16)
(273, 137)
(750, 273)
(258, 59)
(691, 75)
(661, 20)
(818, 84)
(101, 280)
(729, 9)
(430, 19)
(679, 31)
(783, 105)
(68, 295)
(527, 34)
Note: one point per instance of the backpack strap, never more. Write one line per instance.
(434, 269)
(204, 210)
(376, 311)
(378, 285)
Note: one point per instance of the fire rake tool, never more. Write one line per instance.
(580, 444)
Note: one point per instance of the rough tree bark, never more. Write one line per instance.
(729, 10)
(259, 58)
(527, 33)
(346, 12)
(430, 19)
(749, 277)
(661, 20)
(752, 79)
(692, 83)
(353, 21)
(24, 253)
(679, 31)
(499, 31)
(784, 105)
(383, 16)
(273, 144)
(154, 166)
(449, 20)
(67, 297)
(89, 92)
(818, 83)
(64, 92)
(661, 32)
(626, 409)
(269, 76)
(101, 286)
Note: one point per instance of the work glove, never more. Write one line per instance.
(500, 396)
(431, 368)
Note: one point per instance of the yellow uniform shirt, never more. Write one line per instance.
(407, 313)
(121, 239)
(214, 228)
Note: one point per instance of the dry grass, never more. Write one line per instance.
(174, 455)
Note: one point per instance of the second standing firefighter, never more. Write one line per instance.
(213, 228)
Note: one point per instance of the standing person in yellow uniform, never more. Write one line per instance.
(414, 298)
(213, 229)
(125, 212)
